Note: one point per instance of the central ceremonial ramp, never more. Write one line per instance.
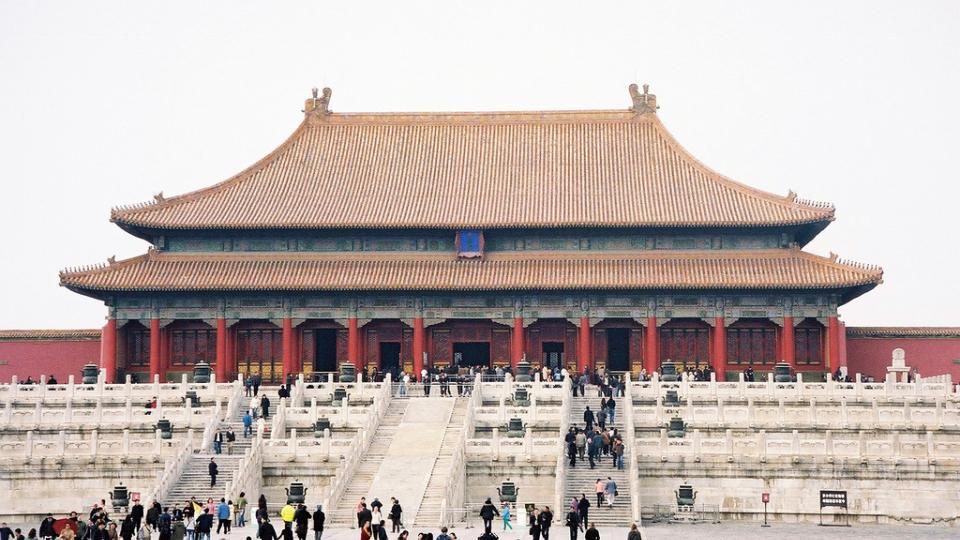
(405, 459)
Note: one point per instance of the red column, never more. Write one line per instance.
(833, 342)
(583, 357)
(516, 349)
(353, 344)
(652, 352)
(720, 349)
(166, 352)
(108, 350)
(287, 348)
(221, 367)
(230, 354)
(419, 346)
(155, 348)
(787, 350)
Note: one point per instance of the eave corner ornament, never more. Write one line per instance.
(645, 102)
(319, 103)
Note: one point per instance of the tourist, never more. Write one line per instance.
(231, 438)
(364, 515)
(165, 524)
(593, 450)
(190, 523)
(396, 515)
(405, 535)
(618, 453)
(582, 384)
(633, 535)
(266, 530)
(572, 453)
(241, 510)
(218, 442)
(610, 492)
(67, 534)
(592, 533)
(487, 511)
(588, 418)
(6, 533)
(443, 534)
(257, 381)
(601, 487)
(287, 514)
(265, 406)
(302, 520)
(318, 519)
(611, 409)
(136, 515)
(223, 517)
(179, 530)
(535, 525)
(545, 519)
(573, 523)
(505, 514)
(204, 525)
(248, 386)
(583, 509)
(602, 418)
(46, 527)
(212, 469)
(581, 442)
(255, 406)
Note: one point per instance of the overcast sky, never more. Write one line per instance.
(107, 103)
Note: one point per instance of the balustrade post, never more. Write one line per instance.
(157, 443)
(663, 442)
(658, 410)
(71, 386)
(183, 380)
(293, 443)
(125, 442)
(750, 411)
(156, 385)
(728, 442)
(127, 385)
(931, 448)
(527, 444)
(313, 409)
(696, 444)
(741, 385)
(720, 411)
(326, 444)
(43, 386)
(502, 409)
(533, 409)
(888, 383)
(37, 413)
(29, 444)
(762, 444)
(94, 441)
(345, 410)
(690, 411)
(61, 443)
(800, 387)
(876, 411)
(828, 443)
(862, 444)
(843, 411)
(938, 412)
(496, 444)
(907, 412)
(895, 445)
(68, 415)
(128, 411)
(795, 443)
(781, 413)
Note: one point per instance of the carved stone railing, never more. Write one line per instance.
(763, 445)
(278, 427)
(210, 429)
(172, 471)
(359, 444)
(248, 477)
(121, 392)
(234, 400)
(87, 447)
(559, 471)
(633, 474)
(454, 495)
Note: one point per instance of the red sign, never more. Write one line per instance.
(135, 495)
(765, 498)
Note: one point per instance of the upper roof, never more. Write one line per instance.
(486, 170)
(651, 270)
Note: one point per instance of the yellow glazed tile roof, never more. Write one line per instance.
(762, 269)
(476, 170)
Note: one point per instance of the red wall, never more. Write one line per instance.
(932, 356)
(60, 358)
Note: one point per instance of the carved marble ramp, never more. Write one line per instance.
(405, 470)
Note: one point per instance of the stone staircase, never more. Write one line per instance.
(195, 479)
(428, 512)
(582, 479)
(345, 512)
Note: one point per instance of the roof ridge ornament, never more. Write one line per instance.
(319, 103)
(159, 197)
(645, 102)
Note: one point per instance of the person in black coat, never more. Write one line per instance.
(572, 453)
(302, 519)
(583, 507)
(213, 470)
(487, 511)
(396, 516)
(46, 527)
(545, 520)
(265, 406)
(266, 531)
(127, 527)
(573, 523)
(204, 525)
(588, 418)
(592, 533)
(318, 519)
(136, 514)
(364, 515)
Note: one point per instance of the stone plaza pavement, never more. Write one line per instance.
(728, 530)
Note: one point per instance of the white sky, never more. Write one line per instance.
(107, 103)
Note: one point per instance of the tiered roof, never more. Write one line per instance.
(533, 170)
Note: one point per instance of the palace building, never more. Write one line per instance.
(403, 240)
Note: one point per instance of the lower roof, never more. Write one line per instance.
(903, 332)
(83, 334)
(654, 270)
